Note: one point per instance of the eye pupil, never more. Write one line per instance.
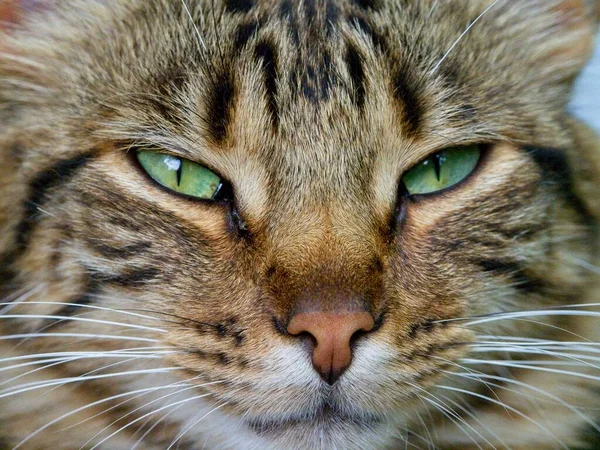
(179, 173)
(442, 170)
(437, 162)
(181, 176)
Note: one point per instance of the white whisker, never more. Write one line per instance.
(82, 319)
(536, 313)
(189, 399)
(82, 335)
(530, 387)
(90, 405)
(449, 413)
(516, 411)
(471, 25)
(525, 365)
(145, 405)
(195, 422)
(43, 384)
(197, 31)
(79, 305)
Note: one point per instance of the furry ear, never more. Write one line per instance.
(594, 6)
(13, 11)
(9, 12)
(564, 33)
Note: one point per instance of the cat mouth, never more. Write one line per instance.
(323, 418)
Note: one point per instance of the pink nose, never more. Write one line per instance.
(333, 333)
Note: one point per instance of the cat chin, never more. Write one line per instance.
(347, 433)
(327, 432)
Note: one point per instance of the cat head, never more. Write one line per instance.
(372, 173)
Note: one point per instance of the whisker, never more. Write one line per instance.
(82, 319)
(464, 33)
(57, 361)
(524, 365)
(520, 340)
(99, 354)
(43, 384)
(586, 265)
(176, 385)
(84, 335)
(533, 388)
(187, 10)
(19, 297)
(158, 422)
(82, 408)
(579, 359)
(450, 413)
(537, 313)
(551, 310)
(455, 419)
(189, 399)
(473, 416)
(186, 388)
(195, 422)
(82, 306)
(516, 411)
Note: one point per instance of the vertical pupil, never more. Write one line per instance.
(179, 172)
(437, 164)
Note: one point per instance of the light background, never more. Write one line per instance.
(586, 100)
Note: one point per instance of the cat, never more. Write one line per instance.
(297, 224)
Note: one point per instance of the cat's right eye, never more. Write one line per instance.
(180, 175)
(442, 170)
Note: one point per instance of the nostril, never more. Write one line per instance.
(333, 335)
(357, 336)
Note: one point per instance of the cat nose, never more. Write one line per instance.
(333, 333)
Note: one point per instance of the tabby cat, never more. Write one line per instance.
(297, 224)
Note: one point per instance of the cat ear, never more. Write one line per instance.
(12, 12)
(567, 39)
(9, 13)
(558, 34)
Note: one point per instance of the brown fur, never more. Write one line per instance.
(312, 111)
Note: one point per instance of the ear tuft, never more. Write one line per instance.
(10, 12)
(569, 39)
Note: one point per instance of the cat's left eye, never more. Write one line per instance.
(442, 170)
(180, 175)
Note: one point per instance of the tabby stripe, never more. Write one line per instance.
(129, 278)
(408, 96)
(288, 14)
(332, 17)
(58, 174)
(354, 61)
(127, 251)
(94, 287)
(243, 35)
(84, 299)
(515, 271)
(238, 6)
(220, 105)
(361, 24)
(365, 4)
(555, 165)
(265, 53)
(217, 358)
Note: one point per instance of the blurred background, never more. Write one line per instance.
(586, 100)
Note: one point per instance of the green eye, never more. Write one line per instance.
(442, 170)
(180, 175)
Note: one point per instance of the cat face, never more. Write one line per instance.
(316, 300)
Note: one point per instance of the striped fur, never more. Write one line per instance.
(134, 318)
